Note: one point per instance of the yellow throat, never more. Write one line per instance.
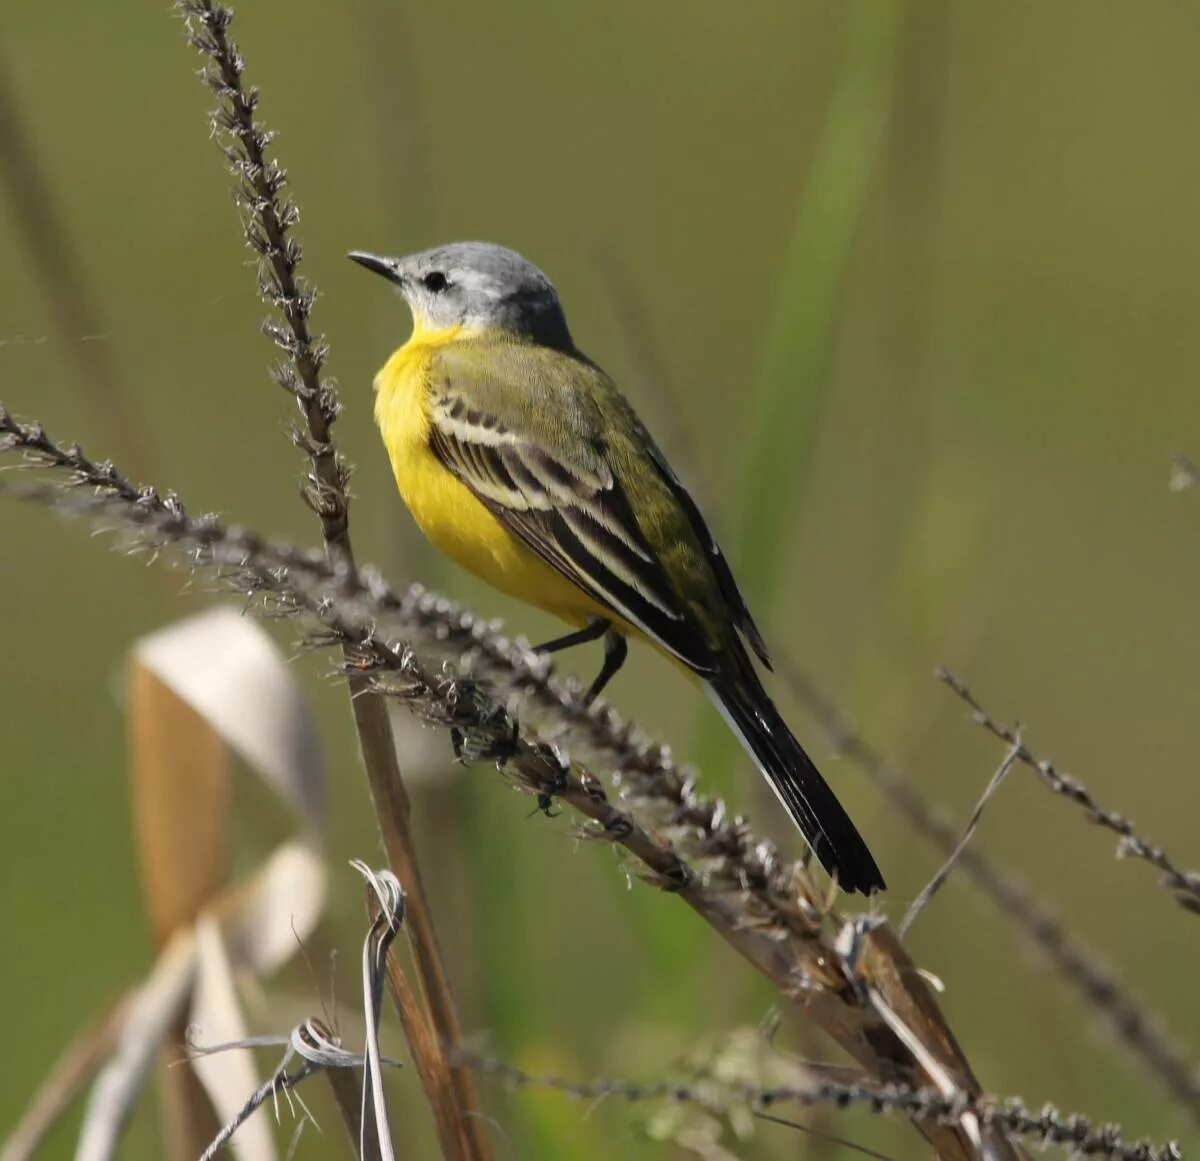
(445, 509)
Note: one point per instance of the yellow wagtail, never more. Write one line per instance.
(520, 459)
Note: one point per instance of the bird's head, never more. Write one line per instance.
(478, 286)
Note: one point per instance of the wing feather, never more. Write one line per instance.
(573, 513)
(735, 602)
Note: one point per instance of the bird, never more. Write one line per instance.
(522, 461)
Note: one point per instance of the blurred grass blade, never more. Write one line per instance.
(72, 302)
(790, 390)
(181, 802)
(258, 924)
(263, 920)
(182, 798)
(196, 690)
(216, 1010)
(152, 1014)
(792, 377)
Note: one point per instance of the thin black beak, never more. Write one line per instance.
(388, 267)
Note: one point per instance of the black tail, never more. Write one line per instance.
(798, 783)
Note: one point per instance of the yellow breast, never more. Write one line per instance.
(445, 509)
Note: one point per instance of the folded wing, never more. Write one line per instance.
(561, 499)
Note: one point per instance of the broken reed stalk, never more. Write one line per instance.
(852, 977)
(268, 215)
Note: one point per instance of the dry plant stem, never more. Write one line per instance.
(1185, 884)
(392, 811)
(347, 1095)
(1137, 1028)
(852, 977)
(310, 1048)
(279, 1082)
(943, 872)
(1049, 1127)
(432, 1064)
(269, 216)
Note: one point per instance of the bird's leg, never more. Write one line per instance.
(592, 631)
(615, 650)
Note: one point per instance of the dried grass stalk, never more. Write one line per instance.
(1072, 1131)
(268, 217)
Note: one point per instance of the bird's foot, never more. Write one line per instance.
(499, 746)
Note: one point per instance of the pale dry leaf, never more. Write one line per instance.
(151, 1014)
(230, 671)
(181, 800)
(258, 924)
(216, 1015)
(265, 919)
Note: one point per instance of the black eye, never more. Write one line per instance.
(435, 281)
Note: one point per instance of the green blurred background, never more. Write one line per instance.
(917, 281)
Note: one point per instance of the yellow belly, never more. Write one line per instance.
(445, 509)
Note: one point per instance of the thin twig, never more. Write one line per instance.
(1080, 966)
(41, 451)
(1185, 884)
(268, 216)
(310, 1048)
(385, 908)
(943, 872)
(280, 1081)
(1049, 1127)
(434, 1071)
